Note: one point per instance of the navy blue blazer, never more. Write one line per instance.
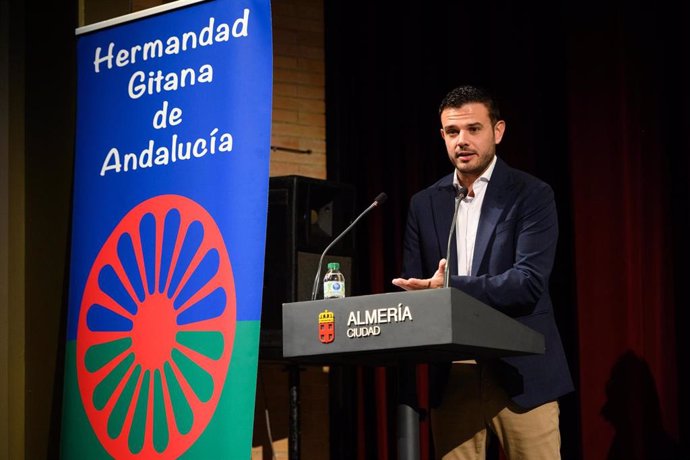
(513, 257)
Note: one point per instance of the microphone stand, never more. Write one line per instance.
(315, 288)
(461, 193)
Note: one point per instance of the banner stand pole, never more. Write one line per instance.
(294, 434)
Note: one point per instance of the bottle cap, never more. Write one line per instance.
(333, 266)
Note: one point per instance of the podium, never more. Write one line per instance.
(433, 325)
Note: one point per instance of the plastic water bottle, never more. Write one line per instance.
(333, 282)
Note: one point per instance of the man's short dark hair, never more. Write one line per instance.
(467, 94)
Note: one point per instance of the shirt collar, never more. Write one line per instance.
(481, 180)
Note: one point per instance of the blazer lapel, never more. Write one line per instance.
(492, 208)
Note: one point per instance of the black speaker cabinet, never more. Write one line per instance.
(304, 216)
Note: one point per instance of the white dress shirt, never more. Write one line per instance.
(468, 219)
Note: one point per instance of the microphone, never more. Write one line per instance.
(380, 199)
(460, 194)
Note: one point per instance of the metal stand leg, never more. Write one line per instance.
(408, 433)
(408, 417)
(294, 434)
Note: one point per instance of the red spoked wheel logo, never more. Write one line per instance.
(156, 329)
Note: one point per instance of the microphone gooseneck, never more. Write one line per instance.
(460, 194)
(380, 199)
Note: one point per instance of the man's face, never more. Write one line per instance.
(470, 139)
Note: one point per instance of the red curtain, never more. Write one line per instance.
(619, 120)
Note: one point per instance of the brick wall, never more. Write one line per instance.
(299, 106)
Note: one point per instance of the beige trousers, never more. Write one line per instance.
(474, 402)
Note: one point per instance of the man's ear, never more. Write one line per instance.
(499, 130)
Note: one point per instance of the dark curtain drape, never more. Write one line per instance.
(595, 98)
(628, 124)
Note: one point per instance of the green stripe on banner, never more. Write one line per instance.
(228, 434)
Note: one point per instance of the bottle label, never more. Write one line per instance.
(333, 289)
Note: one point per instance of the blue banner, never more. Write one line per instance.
(169, 223)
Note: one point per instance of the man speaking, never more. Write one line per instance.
(506, 232)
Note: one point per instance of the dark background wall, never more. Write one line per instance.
(41, 82)
(595, 98)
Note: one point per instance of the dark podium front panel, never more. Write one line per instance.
(413, 326)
